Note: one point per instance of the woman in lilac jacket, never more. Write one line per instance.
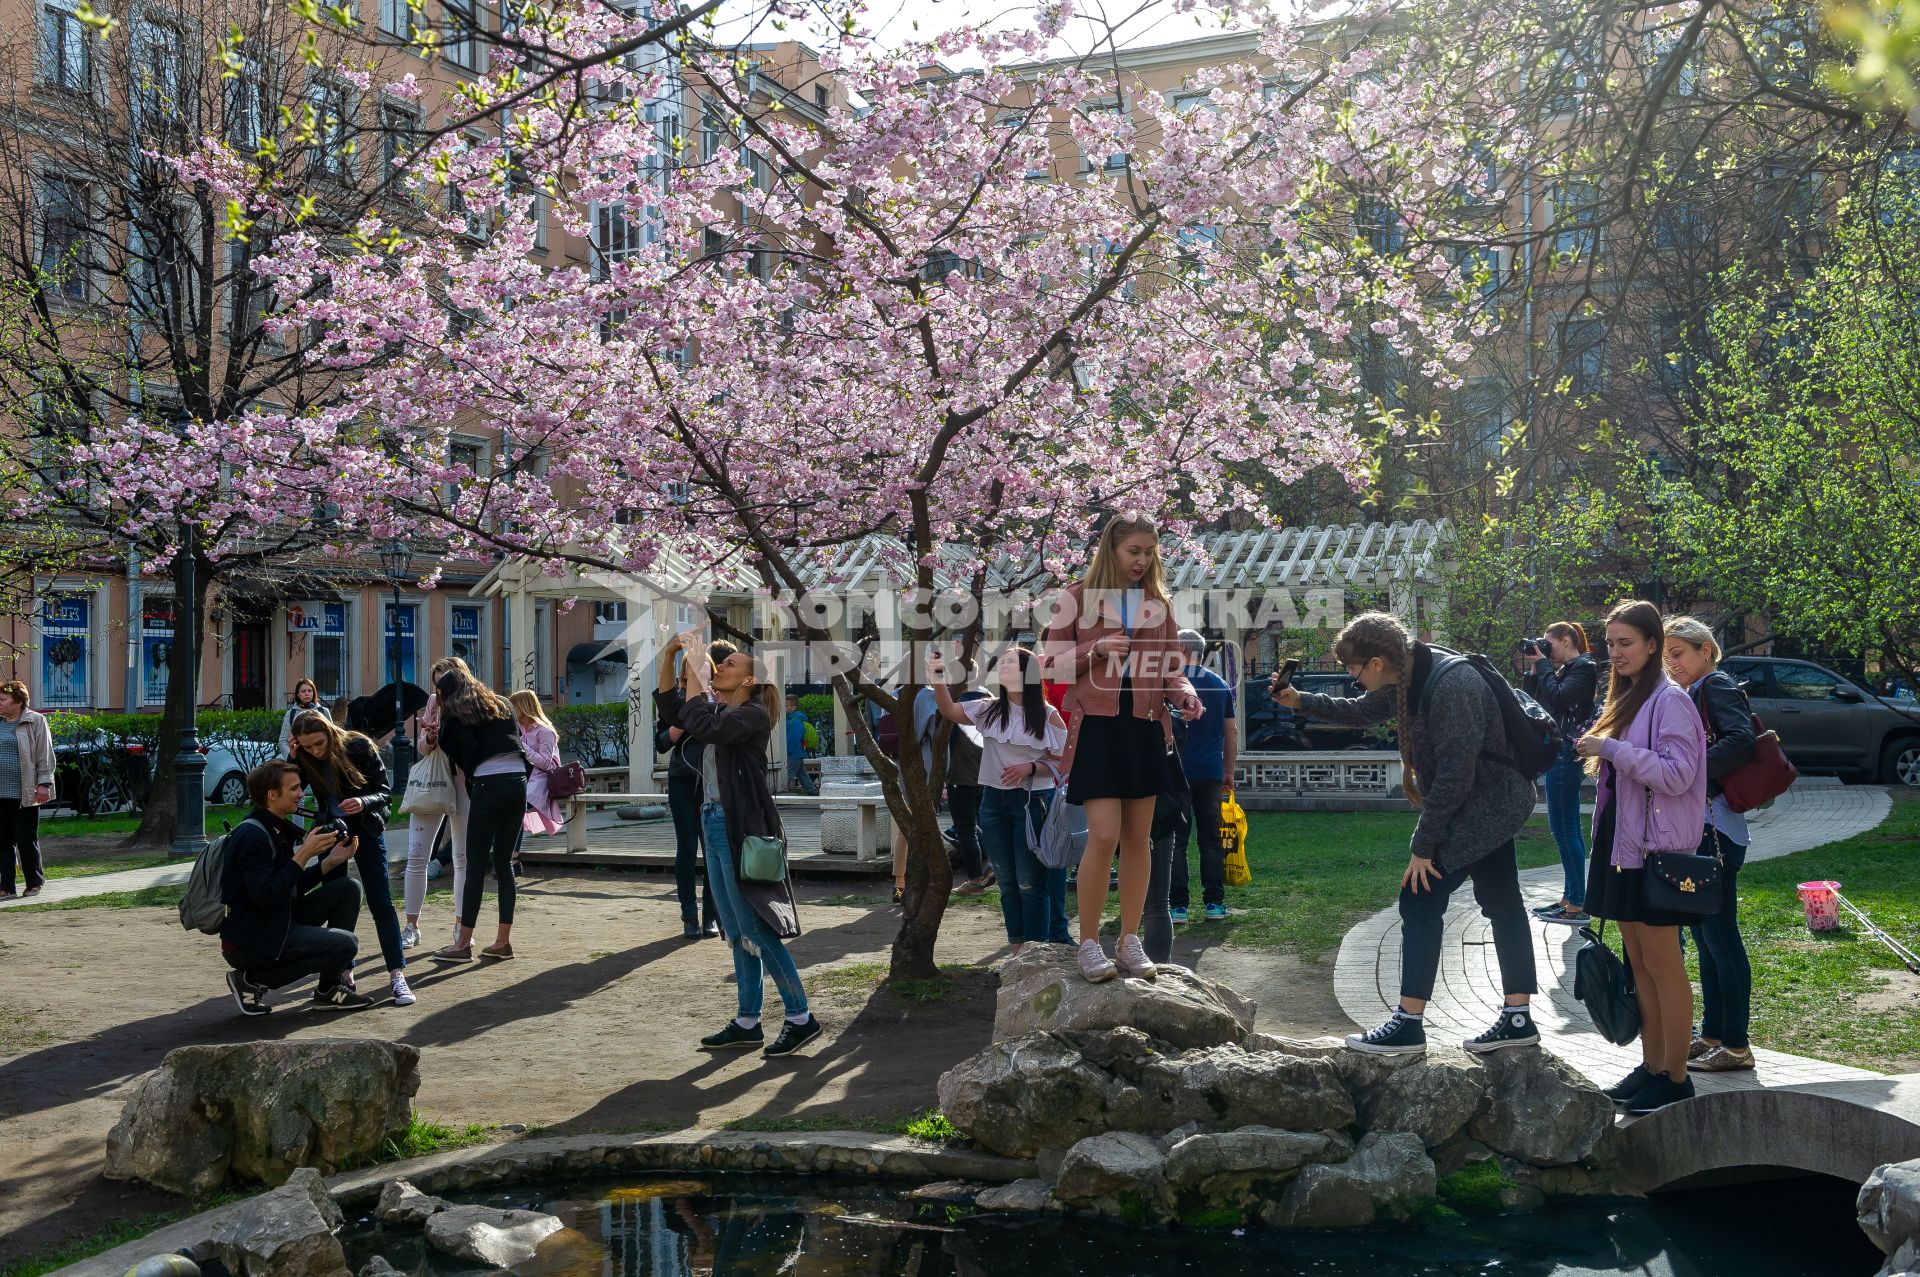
(1648, 751)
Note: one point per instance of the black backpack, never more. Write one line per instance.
(1605, 985)
(1534, 739)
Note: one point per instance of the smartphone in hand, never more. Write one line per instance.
(1283, 677)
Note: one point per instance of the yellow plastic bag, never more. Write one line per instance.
(1233, 838)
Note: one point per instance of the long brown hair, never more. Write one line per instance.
(1572, 631)
(334, 774)
(1381, 634)
(466, 699)
(1626, 695)
(1104, 572)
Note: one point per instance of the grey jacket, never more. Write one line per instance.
(1470, 804)
(34, 740)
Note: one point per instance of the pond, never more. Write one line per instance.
(741, 1226)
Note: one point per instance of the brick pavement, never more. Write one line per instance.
(1815, 812)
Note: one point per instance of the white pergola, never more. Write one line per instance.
(1407, 561)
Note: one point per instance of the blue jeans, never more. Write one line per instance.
(1033, 898)
(1563, 820)
(371, 861)
(755, 948)
(797, 777)
(1726, 977)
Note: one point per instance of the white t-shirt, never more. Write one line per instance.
(1008, 744)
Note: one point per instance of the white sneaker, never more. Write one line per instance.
(1131, 957)
(402, 995)
(1095, 965)
(409, 937)
(434, 870)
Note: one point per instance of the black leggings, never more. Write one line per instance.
(499, 804)
(20, 832)
(683, 802)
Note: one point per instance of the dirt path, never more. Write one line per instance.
(592, 1028)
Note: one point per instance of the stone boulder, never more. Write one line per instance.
(484, 1235)
(1433, 1096)
(1019, 1096)
(1023, 1196)
(402, 1203)
(1042, 991)
(1227, 1086)
(261, 1110)
(1889, 1205)
(1209, 1163)
(1389, 1177)
(1110, 1166)
(1539, 1110)
(286, 1232)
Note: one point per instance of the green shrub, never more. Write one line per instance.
(933, 1127)
(592, 735)
(818, 707)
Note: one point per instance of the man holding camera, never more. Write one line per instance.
(284, 922)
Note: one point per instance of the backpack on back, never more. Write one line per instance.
(203, 906)
(1534, 740)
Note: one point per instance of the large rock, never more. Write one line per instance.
(402, 1203)
(1226, 1086)
(1889, 1205)
(483, 1235)
(1042, 991)
(1388, 1177)
(1539, 1110)
(287, 1232)
(261, 1110)
(1109, 1166)
(1023, 1196)
(1433, 1096)
(1209, 1163)
(1020, 1096)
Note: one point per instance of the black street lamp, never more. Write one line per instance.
(189, 765)
(396, 560)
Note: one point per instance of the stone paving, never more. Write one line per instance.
(1815, 812)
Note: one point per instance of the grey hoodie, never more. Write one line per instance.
(1470, 804)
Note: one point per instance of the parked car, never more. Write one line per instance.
(97, 775)
(226, 780)
(1828, 723)
(1272, 728)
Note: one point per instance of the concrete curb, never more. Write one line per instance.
(849, 1153)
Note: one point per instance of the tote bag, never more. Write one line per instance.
(429, 787)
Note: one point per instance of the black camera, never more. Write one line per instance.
(1535, 647)
(336, 827)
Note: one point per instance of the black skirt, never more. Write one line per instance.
(1119, 757)
(1616, 894)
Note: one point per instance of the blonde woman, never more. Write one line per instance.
(1114, 642)
(541, 740)
(423, 832)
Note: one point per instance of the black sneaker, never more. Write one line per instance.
(733, 1038)
(690, 930)
(251, 998)
(1657, 1094)
(1541, 911)
(793, 1037)
(1399, 1035)
(340, 998)
(1567, 917)
(1513, 1028)
(1629, 1086)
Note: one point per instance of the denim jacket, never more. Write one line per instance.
(1657, 779)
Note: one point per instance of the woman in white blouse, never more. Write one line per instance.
(1021, 739)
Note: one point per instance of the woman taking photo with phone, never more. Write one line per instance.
(1563, 678)
(1648, 751)
(343, 772)
(1114, 642)
(731, 709)
(482, 740)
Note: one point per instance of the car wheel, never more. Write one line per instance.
(1901, 763)
(106, 796)
(231, 791)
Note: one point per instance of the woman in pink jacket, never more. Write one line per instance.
(1112, 639)
(542, 742)
(1649, 752)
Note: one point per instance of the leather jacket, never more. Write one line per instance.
(1567, 693)
(1728, 718)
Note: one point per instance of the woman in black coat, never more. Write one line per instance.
(1565, 680)
(697, 916)
(731, 709)
(343, 772)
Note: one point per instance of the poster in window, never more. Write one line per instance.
(156, 648)
(465, 639)
(66, 634)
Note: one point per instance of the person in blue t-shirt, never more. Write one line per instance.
(797, 777)
(1213, 744)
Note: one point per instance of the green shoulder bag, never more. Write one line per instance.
(763, 858)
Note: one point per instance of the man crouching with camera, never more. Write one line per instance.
(285, 921)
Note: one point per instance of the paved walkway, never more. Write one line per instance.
(1815, 812)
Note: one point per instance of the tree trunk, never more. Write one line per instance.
(160, 815)
(929, 873)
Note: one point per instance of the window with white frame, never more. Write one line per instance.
(397, 18)
(61, 425)
(1482, 408)
(246, 124)
(475, 224)
(330, 114)
(470, 454)
(616, 237)
(327, 654)
(66, 48)
(157, 249)
(1114, 159)
(1024, 136)
(399, 127)
(1479, 268)
(521, 189)
(159, 85)
(66, 238)
(714, 136)
(1662, 46)
(1188, 103)
(1379, 224)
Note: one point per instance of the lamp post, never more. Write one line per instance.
(396, 560)
(189, 765)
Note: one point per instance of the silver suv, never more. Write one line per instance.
(1828, 723)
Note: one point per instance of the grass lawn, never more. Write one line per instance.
(1839, 995)
(57, 827)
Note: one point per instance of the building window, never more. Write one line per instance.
(616, 237)
(1114, 160)
(1661, 47)
(466, 637)
(330, 114)
(1576, 215)
(243, 97)
(1677, 226)
(1677, 362)
(157, 88)
(521, 187)
(327, 649)
(713, 134)
(1481, 406)
(66, 652)
(1583, 355)
(396, 18)
(1188, 103)
(465, 453)
(398, 125)
(820, 96)
(465, 44)
(399, 641)
(156, 646)
(66, 49)
(1380, 226)
(1566, 84)
(66, 239)
(1479, 268)
(610, 613)
(251, 295)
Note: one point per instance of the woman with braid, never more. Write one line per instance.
(1471, 806)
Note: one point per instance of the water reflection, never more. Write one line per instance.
(744, 1227)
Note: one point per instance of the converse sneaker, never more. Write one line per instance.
(733, 1038)
(1179, 917)
(1400, 1034)
(410, 936)
(1131, 957)
(1657, 1094)
(1723, 1059)
(1094, 963)
(340, 998)
(402, 995)
(1513, 1028)
(1216, 913)
(251, 998)
(793, 1037)
(1629, 1086)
